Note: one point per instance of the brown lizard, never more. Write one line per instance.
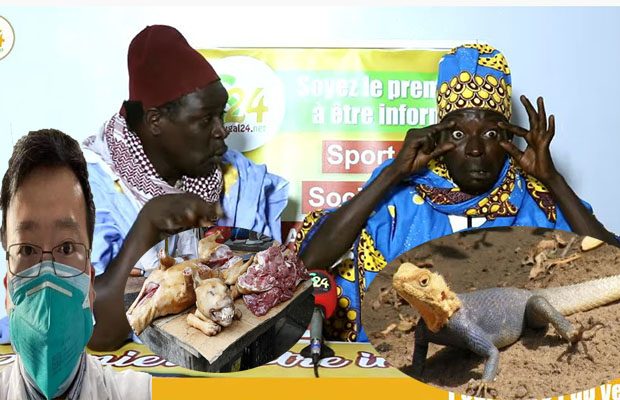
(486, 320)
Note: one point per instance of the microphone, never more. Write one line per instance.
(324, 290)
(325, 298)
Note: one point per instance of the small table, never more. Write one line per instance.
(246, 343)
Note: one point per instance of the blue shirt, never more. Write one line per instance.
(253, 199)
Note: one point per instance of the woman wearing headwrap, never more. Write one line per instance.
(461, 173)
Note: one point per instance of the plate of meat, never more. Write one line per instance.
(237, 304)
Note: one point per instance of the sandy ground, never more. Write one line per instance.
(531, 367)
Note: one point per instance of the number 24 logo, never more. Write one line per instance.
(254, 105)
(319, 281)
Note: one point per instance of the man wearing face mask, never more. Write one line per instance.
(48, 219)
(463, 172)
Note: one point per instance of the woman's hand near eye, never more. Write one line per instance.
(420, 146)
(536, 158)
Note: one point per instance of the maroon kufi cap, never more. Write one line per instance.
(164, 67)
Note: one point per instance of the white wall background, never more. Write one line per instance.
(67, 69)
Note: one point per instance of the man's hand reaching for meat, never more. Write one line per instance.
(159, 218)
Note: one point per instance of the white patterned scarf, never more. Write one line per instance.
(122, 150)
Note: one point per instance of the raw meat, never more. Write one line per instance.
(272, 279)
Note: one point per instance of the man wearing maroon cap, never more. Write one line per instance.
(161, 166)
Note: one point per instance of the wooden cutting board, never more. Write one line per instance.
(172, 338)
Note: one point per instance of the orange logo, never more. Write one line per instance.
(7, 37)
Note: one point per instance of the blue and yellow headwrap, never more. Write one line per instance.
(474, 76)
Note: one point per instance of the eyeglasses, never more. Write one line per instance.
(21, 256)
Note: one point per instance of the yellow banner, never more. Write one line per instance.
(356, 372)
(337, 388)
(351, 360)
